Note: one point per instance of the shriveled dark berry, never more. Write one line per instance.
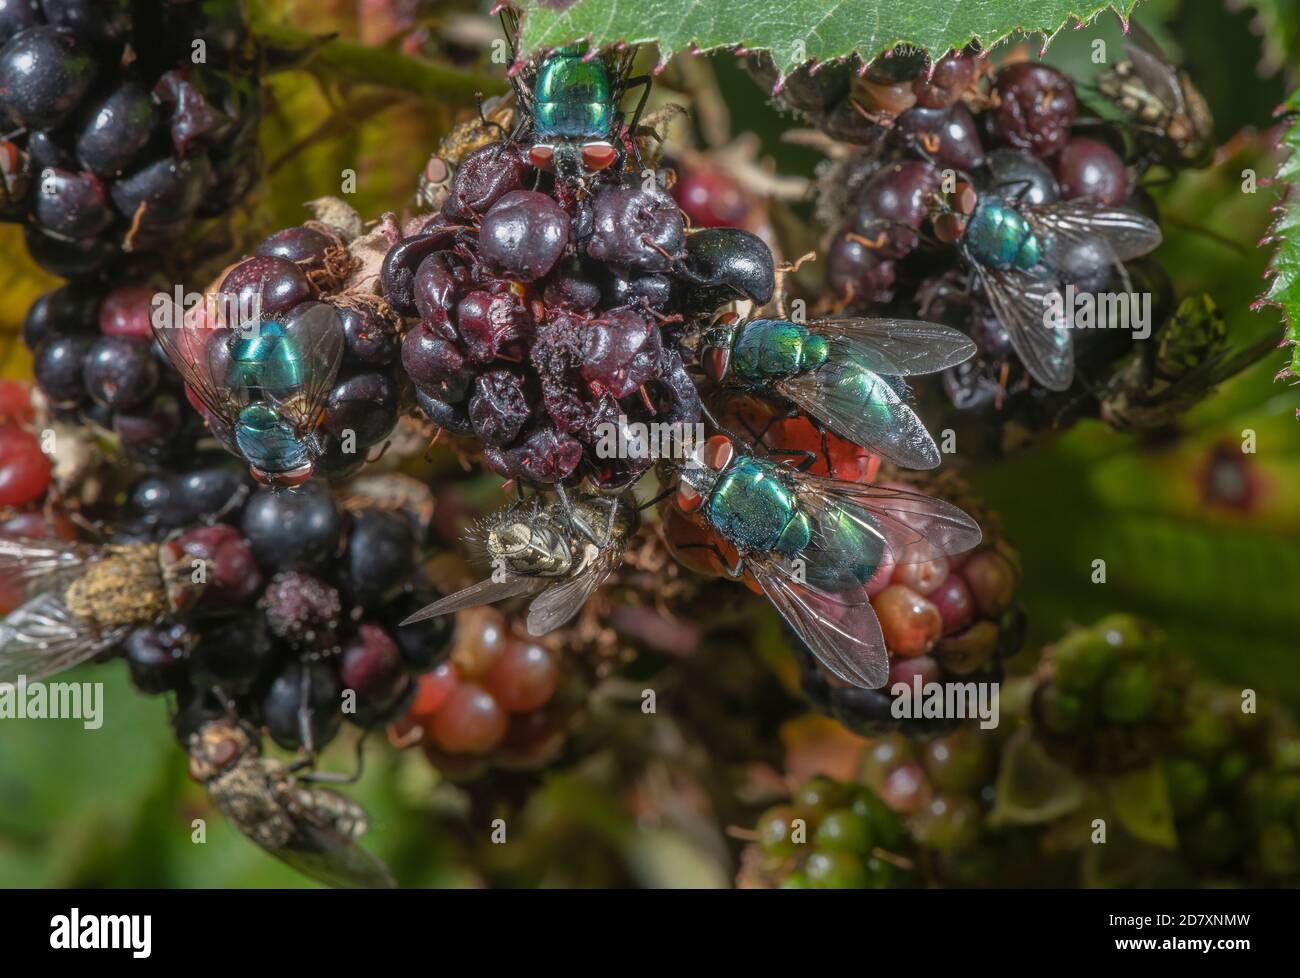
(303, 611)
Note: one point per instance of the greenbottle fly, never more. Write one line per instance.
(263, 385)
(1023, 255)
(310, 828)
(812, 543)
(81, 599)
(1161, 101)
(560, 551)
(571, 98)
(839, 372)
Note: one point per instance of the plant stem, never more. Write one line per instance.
(347, 61)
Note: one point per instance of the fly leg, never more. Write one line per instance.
(735, 573)
(578, 526)
(643, 82)
(335, 777)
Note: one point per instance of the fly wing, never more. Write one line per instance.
(844, 637)
(902, 347)
(42, 565)
(863, 407)
(1020, 302)
(319, 849)
(43, 637)
(561, 601)
(188, 346)
(911, 527)
(1125, 233)
(318, 335)
(1153, 68)
(484, 592)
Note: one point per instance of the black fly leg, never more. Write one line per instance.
(332, 777)
(736, 572)
(806, 458)
(644, 81)
(304, 718)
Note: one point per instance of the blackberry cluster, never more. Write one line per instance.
(126, 120)
(500, 699)
(303, 598)
(830, 836)
(1234, 786)
(1108, 697)
(545, 314)
(95, 361)
(889, 248)
(950, 620)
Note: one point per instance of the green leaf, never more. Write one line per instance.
(796, 31)
(1141, 802)
(1284, 269)
(1032, 786)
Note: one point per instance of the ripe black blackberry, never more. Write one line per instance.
(545, 314)
(126, 121)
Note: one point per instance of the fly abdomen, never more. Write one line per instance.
(123, 589)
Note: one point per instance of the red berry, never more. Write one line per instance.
(924, 576)
(910, 623)
(955, 602)
(480, 639)
(24, 469)
(128, 311)
(710, 198)
(905, 789)
(524, 677)
(1088, 168)
(470, 722)
(434, 690)
(992, 579)
(15, 402)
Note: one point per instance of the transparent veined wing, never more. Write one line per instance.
(844, 637)
(903, 347)
(1020, 302)
(43, 565)
(865, 408)
(1151, 65)
(319, 849)
(43, 638)
(856, 526)
(318, 333)
(188, 344)
(1125, 234)
(484, 592)
(562, 600)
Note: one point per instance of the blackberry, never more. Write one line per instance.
(302, 611)
(117, 155)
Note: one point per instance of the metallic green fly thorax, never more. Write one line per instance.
(1000, 237)
(765, 349)
(573, 97)
(751, 505)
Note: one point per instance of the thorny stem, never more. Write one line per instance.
(347, 61)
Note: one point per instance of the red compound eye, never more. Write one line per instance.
(718, 452)
(598, 156)
(715, 361)
(688, 500)
(542, 156)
